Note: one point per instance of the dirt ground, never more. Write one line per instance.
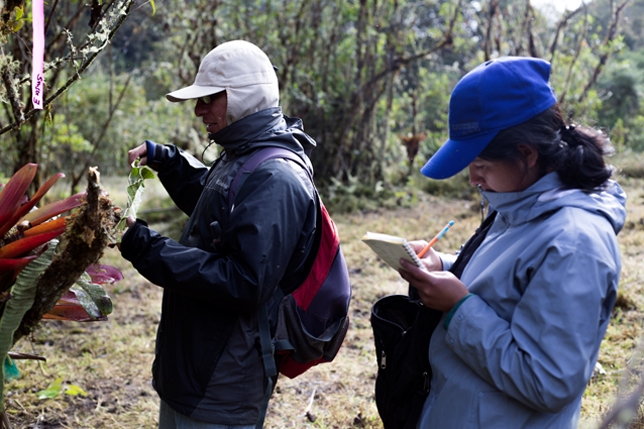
(110, 361)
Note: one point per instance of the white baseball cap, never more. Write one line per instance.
(231, 65)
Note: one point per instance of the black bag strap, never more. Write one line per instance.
(268, 356)
(471, 245)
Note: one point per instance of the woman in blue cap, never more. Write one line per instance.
(527, 302)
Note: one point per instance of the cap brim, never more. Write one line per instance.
(192, 92)
(455, 155)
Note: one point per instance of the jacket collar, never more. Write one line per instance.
(549, 194)
(267, 127)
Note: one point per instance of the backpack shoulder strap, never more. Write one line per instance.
(247, 168)
(253, 162)
(265, 337)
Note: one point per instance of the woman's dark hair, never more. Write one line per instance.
(576, 153)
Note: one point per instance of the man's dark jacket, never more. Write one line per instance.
(225, 266)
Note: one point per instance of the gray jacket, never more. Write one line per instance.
(519, 353)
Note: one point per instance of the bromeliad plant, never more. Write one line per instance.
(49, 261)
(26, 233)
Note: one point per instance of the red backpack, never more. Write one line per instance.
(313, 319)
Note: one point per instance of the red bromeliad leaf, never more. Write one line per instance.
(24, 245)
(69, 308)
(13, 191)
(52, 225)
(101, 274)
(8, 265)
(50, 210)
(24, 209)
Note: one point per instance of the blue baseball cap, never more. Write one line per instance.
(496, 95)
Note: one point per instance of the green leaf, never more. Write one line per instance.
(72, 389)
(17, 25)
(147, 173)
(92, 297)
(134, 191)
(52, 390)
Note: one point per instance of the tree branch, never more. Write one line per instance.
(603, 58)
(563, 23)
(487, 44)
(16, 105)
(88, 61)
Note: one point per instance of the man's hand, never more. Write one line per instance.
(129, 221)
(140, 153)
(440, 290)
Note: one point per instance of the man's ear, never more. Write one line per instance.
(530, 154)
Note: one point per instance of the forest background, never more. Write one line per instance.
(371, 80)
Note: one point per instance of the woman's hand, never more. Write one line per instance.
(431, 260)
(440, 290)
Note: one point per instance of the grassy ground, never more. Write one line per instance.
(111, 360)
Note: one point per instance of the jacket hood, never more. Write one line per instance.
(246, 100)
(268, 127)
(549, 194)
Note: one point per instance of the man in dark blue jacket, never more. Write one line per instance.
(229, 260)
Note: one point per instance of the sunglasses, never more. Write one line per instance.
(206, 99)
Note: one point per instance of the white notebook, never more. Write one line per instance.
(391, 249)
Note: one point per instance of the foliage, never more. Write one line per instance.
(623, 105)
(22, 298)
(28, 246)
(27, 240)
(136, 186)
(365, 76)
(362, 75)
(57, 387)
(74, 40)
(134, 120)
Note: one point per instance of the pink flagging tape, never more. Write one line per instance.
(37, 63)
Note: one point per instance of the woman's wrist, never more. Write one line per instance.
(451, 313)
